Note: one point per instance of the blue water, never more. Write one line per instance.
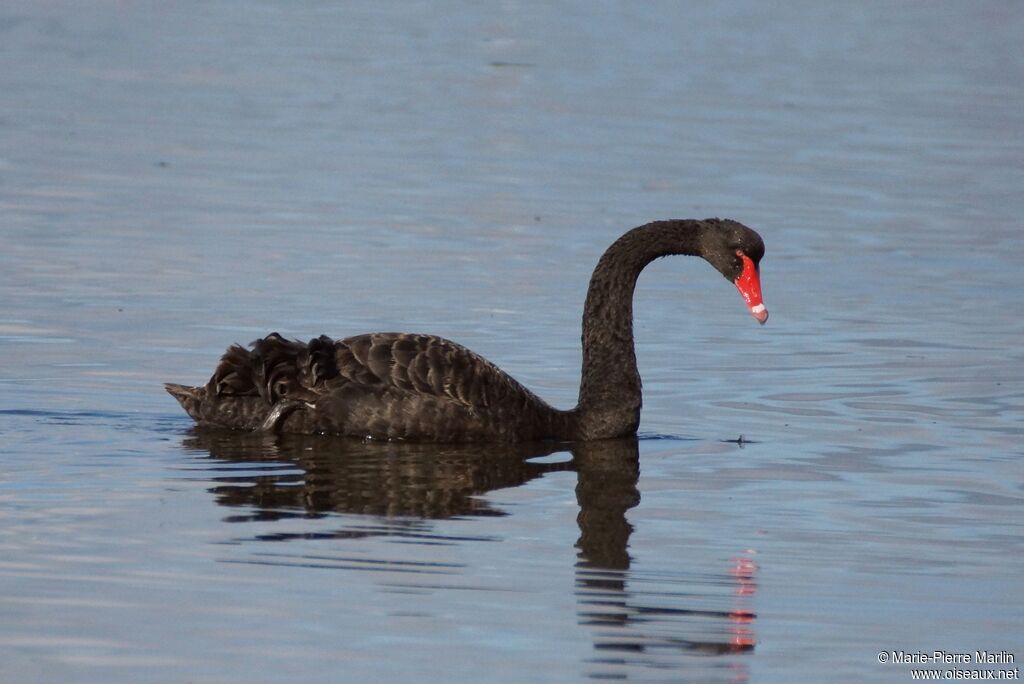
(845, 481)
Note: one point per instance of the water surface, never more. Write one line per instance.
(174, 179)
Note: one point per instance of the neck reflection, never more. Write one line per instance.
(642, 619)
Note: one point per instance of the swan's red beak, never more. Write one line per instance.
(749, 285)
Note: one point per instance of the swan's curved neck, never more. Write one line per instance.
(610, 394)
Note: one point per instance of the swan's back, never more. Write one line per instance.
(379, 385)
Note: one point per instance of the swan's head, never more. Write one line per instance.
(736, 252)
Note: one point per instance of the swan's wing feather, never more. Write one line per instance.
(275, 367)
(419, 364)
(233, 376)
(424, 364)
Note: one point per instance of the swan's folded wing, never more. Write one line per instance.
(419, 364)
(424, 364)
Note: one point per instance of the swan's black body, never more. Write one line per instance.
(426, 388)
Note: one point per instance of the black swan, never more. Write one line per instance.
(426, 388)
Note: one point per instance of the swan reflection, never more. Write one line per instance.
(635, 620)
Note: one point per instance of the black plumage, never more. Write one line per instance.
(426, 388)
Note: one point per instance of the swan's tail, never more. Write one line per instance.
(257, 389)
(190, 398)
(226, 411)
